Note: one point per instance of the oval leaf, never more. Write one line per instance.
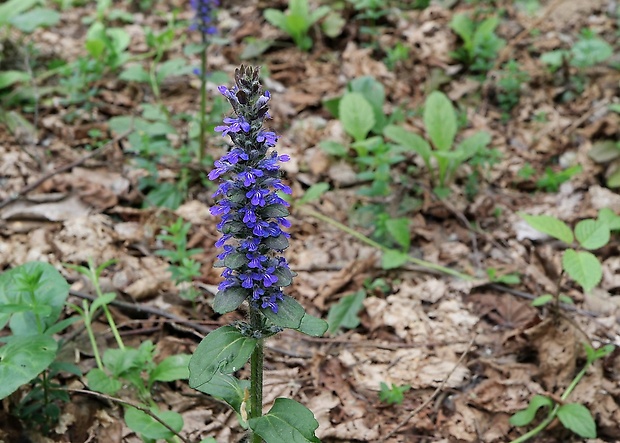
(287, 421)
(148, 427)
(578, 419)
(440, 120)
(172, 368)
(592, 234)
(356, 115)
(229, 299)
(344, 313)
(289, 314)
(583, 267)
(228, 388)
(525, 417)
(313, 326)
(22, 359)
(549, 225)
(225, 350)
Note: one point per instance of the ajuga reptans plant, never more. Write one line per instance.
(253, 216)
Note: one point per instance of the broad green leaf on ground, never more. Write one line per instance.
(440, 120)
(344, 313)
(8, 78)
(99, 381)
(583, 267)
(409, 140)
(13, 8)
(38, 285)
(592, 234)
(148, 427)
(356, 115)
(35, 18)
(398, 228)
(225, 350)
(286, 422)
(392, 259)
(22, 359)
(578, 419)
(174, 367)
(374, 92)
(314, 192)
(549, 225)
(525, 417)
(610, 217)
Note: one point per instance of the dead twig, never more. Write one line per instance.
(26, 189)
(139, 407)
(434, 394)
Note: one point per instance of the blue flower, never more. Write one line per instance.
(251, 209)
(205, 13)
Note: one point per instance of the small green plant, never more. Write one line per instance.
(441, 157)
(506, 279)
(573, 416)
(392, 395)
(182, 266)
(132, 367)
(480, 43)
(607, 152)
(395, 55)
(32, 297)
(551, 180)
(296, 21)
(578, 263)
(509, 86)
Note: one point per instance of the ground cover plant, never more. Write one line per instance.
(425, 190)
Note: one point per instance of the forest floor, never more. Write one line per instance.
(473, 351)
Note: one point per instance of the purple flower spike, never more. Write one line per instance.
(205, 14)
(252, 212)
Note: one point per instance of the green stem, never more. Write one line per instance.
(374, 244)
(91, 335)
(108, 315)
(554, 412)
(256, 373)
(203, 100)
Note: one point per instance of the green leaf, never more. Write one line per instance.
(99, 381)
(542, 300)
(120, 361)
(525, 417)
(13, 8)
(333, 24)
(274, 210)
(165, 195)
(171, 368)
(464, 28)
(471, 145)
(289, 315)
(225, 350)
(409, 140)
(374, 92)
(610, 217)
(344, 313)
(613, 179)
(592, 234)
(549, 225)
(229, 299)
(398, 228)
(22, 359)
(148, 427)
(35, 18)
(235, 260)
(255, 47)
(554, 59)
(286, 422)
(334, 148)
(173, 67)
(135, 73)
(8, 78)
(588, 52)
(313, 326)
(566, 299)
(314, 192)
(226, 387)
(279, 243)
(440, 120)
(578, 419)
(583, 267)
(276, 18)
(38, 285)
(392, 259)
(356, 115)
(104, 300)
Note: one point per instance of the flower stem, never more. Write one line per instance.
(203, 99)
(256, 374)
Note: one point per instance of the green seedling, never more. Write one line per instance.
(573, 416)
(182, 266)
(506, 279)
(441, 157)
(578, 263)
(607, 152)
(509, 86)
(296, 21)
(392, 395)
(551, 180)
(480, 43)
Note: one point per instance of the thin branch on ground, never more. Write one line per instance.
(434, 394)
(139, 407)
(32, 186)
